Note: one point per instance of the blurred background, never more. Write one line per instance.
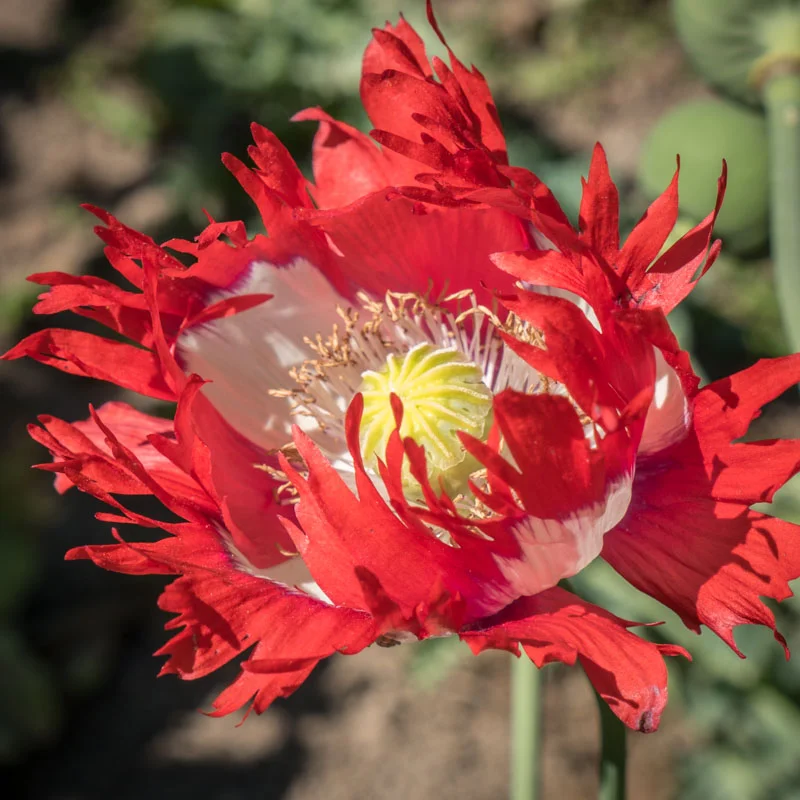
(127, 104)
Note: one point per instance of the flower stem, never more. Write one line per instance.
(526, 713)
(782, 100)
(613, 754)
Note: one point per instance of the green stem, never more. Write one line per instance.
(526, 708)
(613, 754)
(782, 100)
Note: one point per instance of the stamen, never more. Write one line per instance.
(460, 361)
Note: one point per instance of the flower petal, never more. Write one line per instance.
(690, 539)
(348, 165)
(628, 672)
(668, 416)
(79, 353)
(247, 355)
(599, 214)
(387, 245)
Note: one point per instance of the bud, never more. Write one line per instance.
(704, 132)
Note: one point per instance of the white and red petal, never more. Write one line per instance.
(248, 355)
(370, 561)
(340, 533)
(572, 491)
(668, 416)
(222, 610)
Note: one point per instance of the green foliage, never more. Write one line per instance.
(434, 659)
(29, 704)
(30, 708)
(572, 51)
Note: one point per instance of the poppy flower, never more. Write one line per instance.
(413, 407)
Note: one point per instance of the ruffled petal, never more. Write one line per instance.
(85, 354)
(628, 672)
(450, 124)
(397, 47)
(674, 274)
(341, 533)
(690, 539)
(223, 612)
(648, 235)
(220, 616)
(224, 604)
(86, 441)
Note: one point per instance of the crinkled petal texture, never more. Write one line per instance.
(690, 538)
(628, 672)
(616, 450)
(224, 608)
(379, 567)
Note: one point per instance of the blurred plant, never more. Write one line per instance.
(571, 49)
(30, 708)
(748, 720)
(210, 67)
(750, 49)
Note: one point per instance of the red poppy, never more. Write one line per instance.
(415, 406)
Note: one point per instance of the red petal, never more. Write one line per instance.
(392, 98)
(477, 94)
(599, 214)
(341, 532)
(710, 562)
(646, 240)
(724, 409)
(547, 441)
(80, 353)
(223, 615)
(543, 267)
(347, 163)
(672, 277)
(387, 246)
(277, 168)
(245, 493)
(396, 47)
(628, 672)
(690, 539)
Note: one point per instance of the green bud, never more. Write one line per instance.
(737, 44)
(704, 132)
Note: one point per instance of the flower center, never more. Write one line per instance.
(442, 392)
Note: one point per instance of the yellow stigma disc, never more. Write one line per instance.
(442, 393)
